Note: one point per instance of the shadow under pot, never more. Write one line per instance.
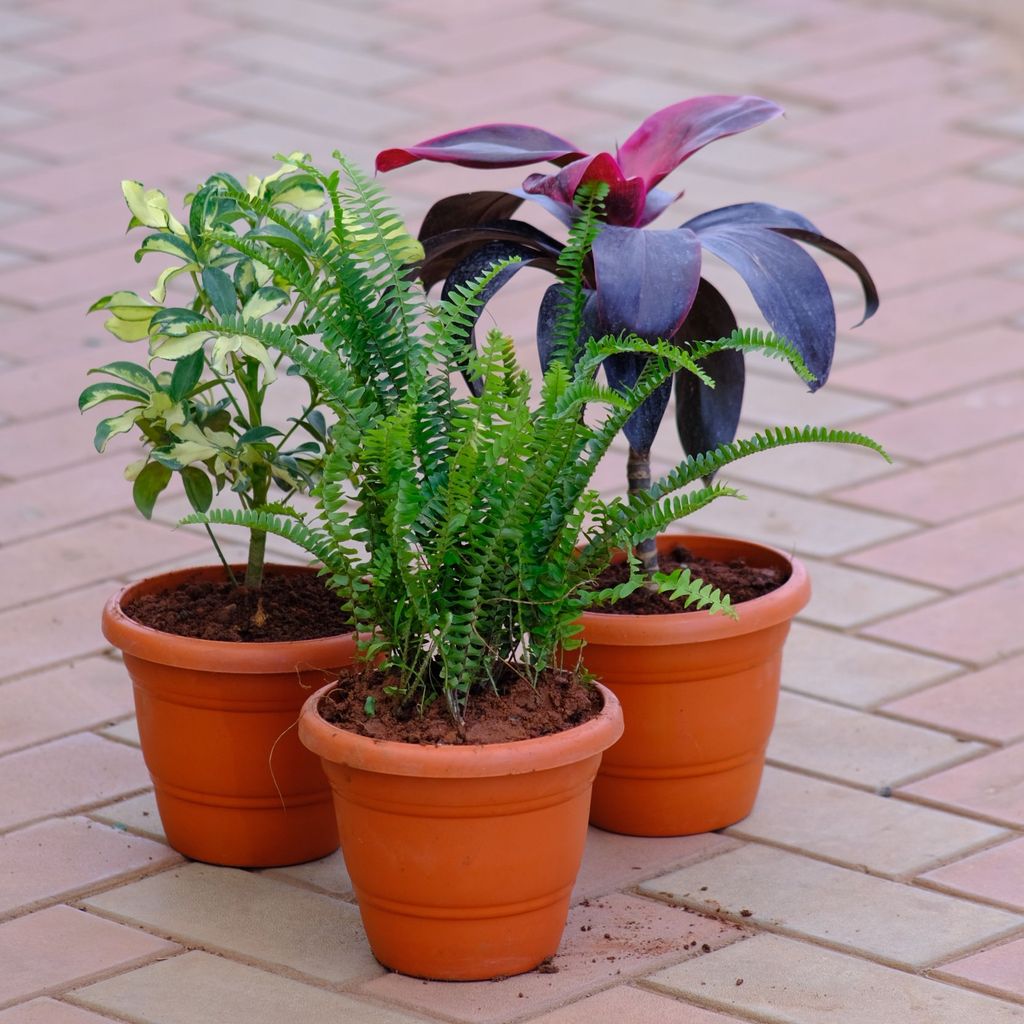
(218, 728)
(699, 694)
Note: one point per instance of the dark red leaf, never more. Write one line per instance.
(486, 145)
(468, 209)
(624, 202)
(675, 133)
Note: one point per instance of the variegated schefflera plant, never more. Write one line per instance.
(650, 283)
(197, 398)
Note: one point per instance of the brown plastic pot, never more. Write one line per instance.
(698, 695)
(217, 723)
(462, 858)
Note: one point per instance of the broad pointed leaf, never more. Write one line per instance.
(467, 210)
(547, 320)
(487, 145)
(148, 485)
(673, 134)
(623, 371)
(787, 286)
(646, 280)
(626, 197)
(707, 417)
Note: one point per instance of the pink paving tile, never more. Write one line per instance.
(83, 695)
(931, 369)
(949, 199)
(963, 304)
(978, 626)
(950, 489)
(39, 635)
(59, 331)
(61, 776)
(996, 874)
(45, 503)
(56, 948)
(49, 1011)
(614, 937)
(83, 277)
(986, 703)
(947, 426)
(992, 786)
(625, 1005)
(613, 862)
(1000, 968)
(105, 550)
(987, 546)
(949, 251)
(34, 447)
(56, 859)
(871, 81)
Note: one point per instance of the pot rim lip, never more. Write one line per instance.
(135, 639)
(441, 761)
(770, 609)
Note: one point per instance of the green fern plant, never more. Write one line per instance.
(460, 530)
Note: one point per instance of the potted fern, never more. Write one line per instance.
(223, 656)
(460, 751)
(693, 751)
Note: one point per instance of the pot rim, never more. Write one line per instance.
(134, 639)
(471, 761)
(674, 628)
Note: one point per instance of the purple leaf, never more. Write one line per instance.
(468, 209)
(646, 280)
(547, 319)
(623, 371)
(487, 145)
(787, 286)
(758, 214)
(626, 196)
(706, 417)
(442, 253)
(657, 202)
(476, 264)
(675, 133)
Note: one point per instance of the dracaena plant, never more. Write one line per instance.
(198, 398)
(640, 280)
(451, 524)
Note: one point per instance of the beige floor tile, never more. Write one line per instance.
(68, 855)
(785, 401)
(231, 911)
(798, 525)
(888, 920)
(198, 987)
(126, 731)
(81, 695)
(137, 814)
(845, 597)
(852, 670)
(856, 747)
(66, 774)
(626, 1005)
(54, 948)
(606, 940)
(855, 828)
(49, 1011)
(328, 874)
(775, 979)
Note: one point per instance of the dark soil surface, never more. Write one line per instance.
(740, 581)
(287, 607)
(519, 712)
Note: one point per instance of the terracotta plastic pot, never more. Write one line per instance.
(462, 858)
(698, 694)
(217, 722)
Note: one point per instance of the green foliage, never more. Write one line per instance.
(460, 530)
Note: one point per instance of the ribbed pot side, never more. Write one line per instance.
(463, 858)
(698, 694)
(218, 728)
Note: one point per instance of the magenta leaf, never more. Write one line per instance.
(646, 280)
(675, 133)
(626, 196)
(487, 145)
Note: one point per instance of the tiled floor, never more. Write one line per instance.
(878, 880)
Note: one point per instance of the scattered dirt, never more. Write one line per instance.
(518, 712)
(287, 607)
(742, 582)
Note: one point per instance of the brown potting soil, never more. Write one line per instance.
(286, 607)
(742, 582)
(518, 712)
